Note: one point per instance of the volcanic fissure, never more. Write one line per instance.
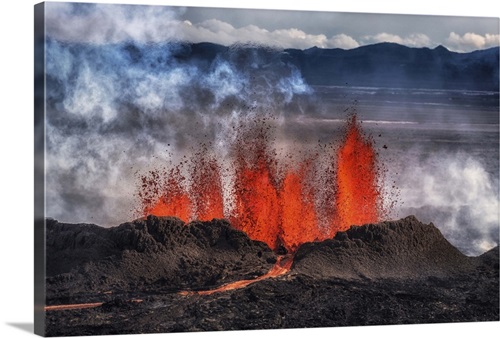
(283, 201)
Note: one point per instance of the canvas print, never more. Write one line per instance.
(206, 169)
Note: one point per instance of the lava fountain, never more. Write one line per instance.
(298, 217)
(357, 191)
(162, 194)
(283, 208)
(206, 188)
(256, 209)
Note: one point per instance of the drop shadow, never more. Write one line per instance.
(27, 327)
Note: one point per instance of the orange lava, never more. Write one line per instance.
(206, 188)
(174, 200)
(282, 266)
(285, 207)
(299, 223)
(256, 197)
(357, 192)
(72, 306)
(80, 306)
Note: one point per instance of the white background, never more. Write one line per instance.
(16, 164)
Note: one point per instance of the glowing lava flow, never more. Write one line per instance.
(357, 192)
(282, 266)
(80, 306)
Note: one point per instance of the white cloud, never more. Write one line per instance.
(223, 33)
(412, 40)
(342, 41)
(471, 41)
(102, 24)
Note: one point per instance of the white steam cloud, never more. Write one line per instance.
(457, 194)
(101, 23)
(114, 109)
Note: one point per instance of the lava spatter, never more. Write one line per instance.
(357, 193)
(285, 207)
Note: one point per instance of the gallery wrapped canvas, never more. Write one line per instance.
(208, 169)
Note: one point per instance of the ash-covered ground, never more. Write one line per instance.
(394, 272)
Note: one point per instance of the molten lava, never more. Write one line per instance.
(282, 266)
(256, 210)
(284, 207)
(299, 223)
(173, 200)
(206, 187)
(357, 192)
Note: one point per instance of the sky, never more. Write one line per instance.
(303, 29)
(283, 29)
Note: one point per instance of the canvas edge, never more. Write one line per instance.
(39, 169)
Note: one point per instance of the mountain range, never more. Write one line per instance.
(379, 65)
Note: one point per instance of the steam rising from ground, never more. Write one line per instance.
(455, 192)
(119, 108)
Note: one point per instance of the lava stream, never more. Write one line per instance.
(282, 266)
(80, 306)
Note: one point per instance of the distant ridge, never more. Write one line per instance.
(377, 65)
(393, 65)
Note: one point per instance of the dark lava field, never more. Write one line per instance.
(145, 276)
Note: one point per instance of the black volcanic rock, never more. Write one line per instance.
(397, 272)
(157, 253)
(490, 258)
(397, 249)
